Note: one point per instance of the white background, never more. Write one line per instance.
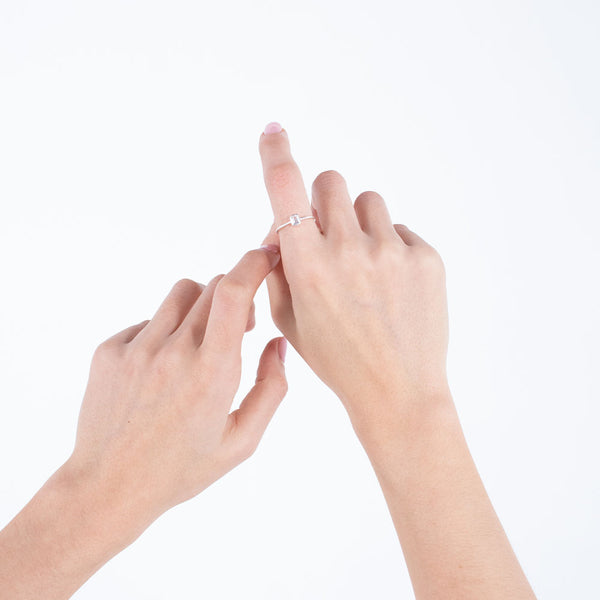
(128, 159)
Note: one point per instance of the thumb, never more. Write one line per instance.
(280, 297)
(249, 421)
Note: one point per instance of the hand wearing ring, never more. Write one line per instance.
(295, 220)
(355, 277)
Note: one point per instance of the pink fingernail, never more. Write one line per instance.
(282, 348)
(270, 248)
(273, 127)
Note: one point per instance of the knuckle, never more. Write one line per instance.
(349, 251)
(185, 338)
(282, 175)
(135, 361)
(180, 293)
(348, 240)
(105, 352)
(230, 291)
(367, 197)
(280, 386)
(168, 357)
(213, 282)
(215, 364)
(388, 252)
(185, 285)
(274, 385)
(328, 178)
(251, 256)
(430, 261)
(175, 349)
(246, 448)
(431, 255)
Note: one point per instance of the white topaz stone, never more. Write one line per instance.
(295, 220)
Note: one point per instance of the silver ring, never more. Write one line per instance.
(295, 219)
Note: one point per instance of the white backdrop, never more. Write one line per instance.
(128, 159)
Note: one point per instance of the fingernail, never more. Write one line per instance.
(282, 348)
(273, 127)
(270, 248)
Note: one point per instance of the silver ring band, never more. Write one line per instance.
(295, 220)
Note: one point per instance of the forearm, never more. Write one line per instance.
(68, 530)
(453, 542)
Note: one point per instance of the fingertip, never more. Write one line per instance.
(273, 138)
(271, 348)
(270, 248)
(271, 362)
(273, 128)
(272, 252)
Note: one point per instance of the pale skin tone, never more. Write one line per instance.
(363, 301)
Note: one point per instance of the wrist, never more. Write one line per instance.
(399, 417)
(406, 447)
(97, 506)
(67, 531)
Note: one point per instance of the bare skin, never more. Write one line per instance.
(363, 301)
(155, 429)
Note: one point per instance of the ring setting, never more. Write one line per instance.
(294, 221)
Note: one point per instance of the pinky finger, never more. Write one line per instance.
(128, 335)
(410, 238)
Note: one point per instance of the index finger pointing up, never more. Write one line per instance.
(285, 186)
